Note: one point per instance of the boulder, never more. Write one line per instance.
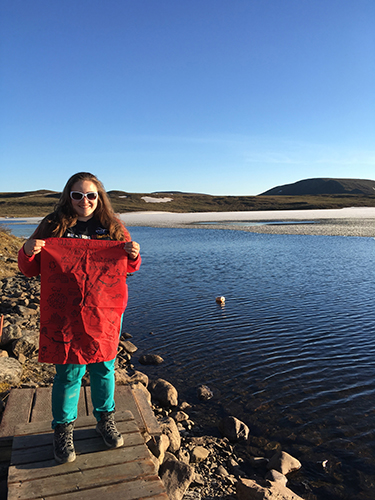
(151, 359)
(10, 334)
(123, 378)
(158, 445)
(10, 371)
(27, 345)
(139, 378)
(169, 427)
(284, 463)
(233, 429)
(163, 392)
(176, 477)
(276, 477)
(247, 489)
(128, 346)
(204, 393)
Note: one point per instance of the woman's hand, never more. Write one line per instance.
(32, 247)
(132, 248)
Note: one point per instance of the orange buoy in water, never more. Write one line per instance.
(220, 300)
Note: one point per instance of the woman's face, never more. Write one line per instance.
(84, 208)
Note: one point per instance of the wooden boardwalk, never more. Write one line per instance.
(128, 473)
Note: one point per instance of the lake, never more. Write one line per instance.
(291, 353)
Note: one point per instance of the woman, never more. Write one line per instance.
(83, 211)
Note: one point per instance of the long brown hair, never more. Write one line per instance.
(64, 216)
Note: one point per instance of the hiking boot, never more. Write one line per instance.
(106, 427)
(63, 446)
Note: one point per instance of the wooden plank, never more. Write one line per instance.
(48, 468)
(85, 441)
(17, 410)
(82, 480)
(89, 405)
(132, 398)
(150, 487)
(124, 397)
(35, 440)
(45, 426)
(42, 409)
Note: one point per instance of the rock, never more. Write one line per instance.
(199, 454)
(204, 393)
(176, 477)
(4, 354)
(276, 477)
(198, 479)
(139, 378)
(25, 311)
(10, 333)
(158, 445)
(180, 416)
(233, 429)
(164, 392)
(151, 359)
(128, 346)
(284, 463)
(248, 489)
(168, 426)
(192, 495)
(126, 335)
(27, 345)
(10, 371)
(222, 471)
(183, 455)
(123, 378)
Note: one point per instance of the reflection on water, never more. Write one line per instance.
(292, 351)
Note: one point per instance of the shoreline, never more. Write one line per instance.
(325, 222)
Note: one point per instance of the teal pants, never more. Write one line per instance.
(67, 385)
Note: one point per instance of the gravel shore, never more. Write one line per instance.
(338, 227)
(342, 222)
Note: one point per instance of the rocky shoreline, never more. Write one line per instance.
(232, 464)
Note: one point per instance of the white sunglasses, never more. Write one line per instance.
(78, 196)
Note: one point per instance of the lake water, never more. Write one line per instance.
(291, 353)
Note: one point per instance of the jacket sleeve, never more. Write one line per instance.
(134, 265)
(29, 266)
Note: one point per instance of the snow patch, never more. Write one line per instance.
(150, 199)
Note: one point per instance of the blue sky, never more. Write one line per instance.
(228, 97)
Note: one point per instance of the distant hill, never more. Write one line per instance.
(307, 194)
(319, 186)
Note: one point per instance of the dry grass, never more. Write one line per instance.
(9, 246)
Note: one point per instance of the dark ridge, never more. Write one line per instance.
(324, 186)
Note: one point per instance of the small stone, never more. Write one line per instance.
(199, 454)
